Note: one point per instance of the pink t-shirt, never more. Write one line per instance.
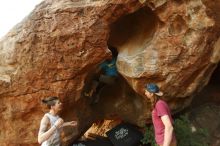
(161, 109)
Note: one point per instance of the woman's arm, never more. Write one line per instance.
(45, 134)
(168, 134)
(71, 123)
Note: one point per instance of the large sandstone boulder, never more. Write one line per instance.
(56, 49)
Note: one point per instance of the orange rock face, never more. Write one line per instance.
(56, 49)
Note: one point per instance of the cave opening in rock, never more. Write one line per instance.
(131, 34)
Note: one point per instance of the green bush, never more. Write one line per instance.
(149, 136)
(184, 134)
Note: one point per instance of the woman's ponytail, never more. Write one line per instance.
(50, 101)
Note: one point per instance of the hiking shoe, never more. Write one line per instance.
(86, 94)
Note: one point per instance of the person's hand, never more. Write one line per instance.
(59, 123)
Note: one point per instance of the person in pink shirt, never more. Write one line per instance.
(161, 117)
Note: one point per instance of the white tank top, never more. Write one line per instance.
(54, 139)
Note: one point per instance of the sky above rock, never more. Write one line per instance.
(13, 11)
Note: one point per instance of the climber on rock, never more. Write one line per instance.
(107, 75)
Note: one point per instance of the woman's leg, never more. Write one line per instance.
(90, 92)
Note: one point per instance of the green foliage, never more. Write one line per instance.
(186, 137)
(149, 136)
(184, 134)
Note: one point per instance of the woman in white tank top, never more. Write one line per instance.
(51, 124)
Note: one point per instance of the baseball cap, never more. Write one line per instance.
(153, 88)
